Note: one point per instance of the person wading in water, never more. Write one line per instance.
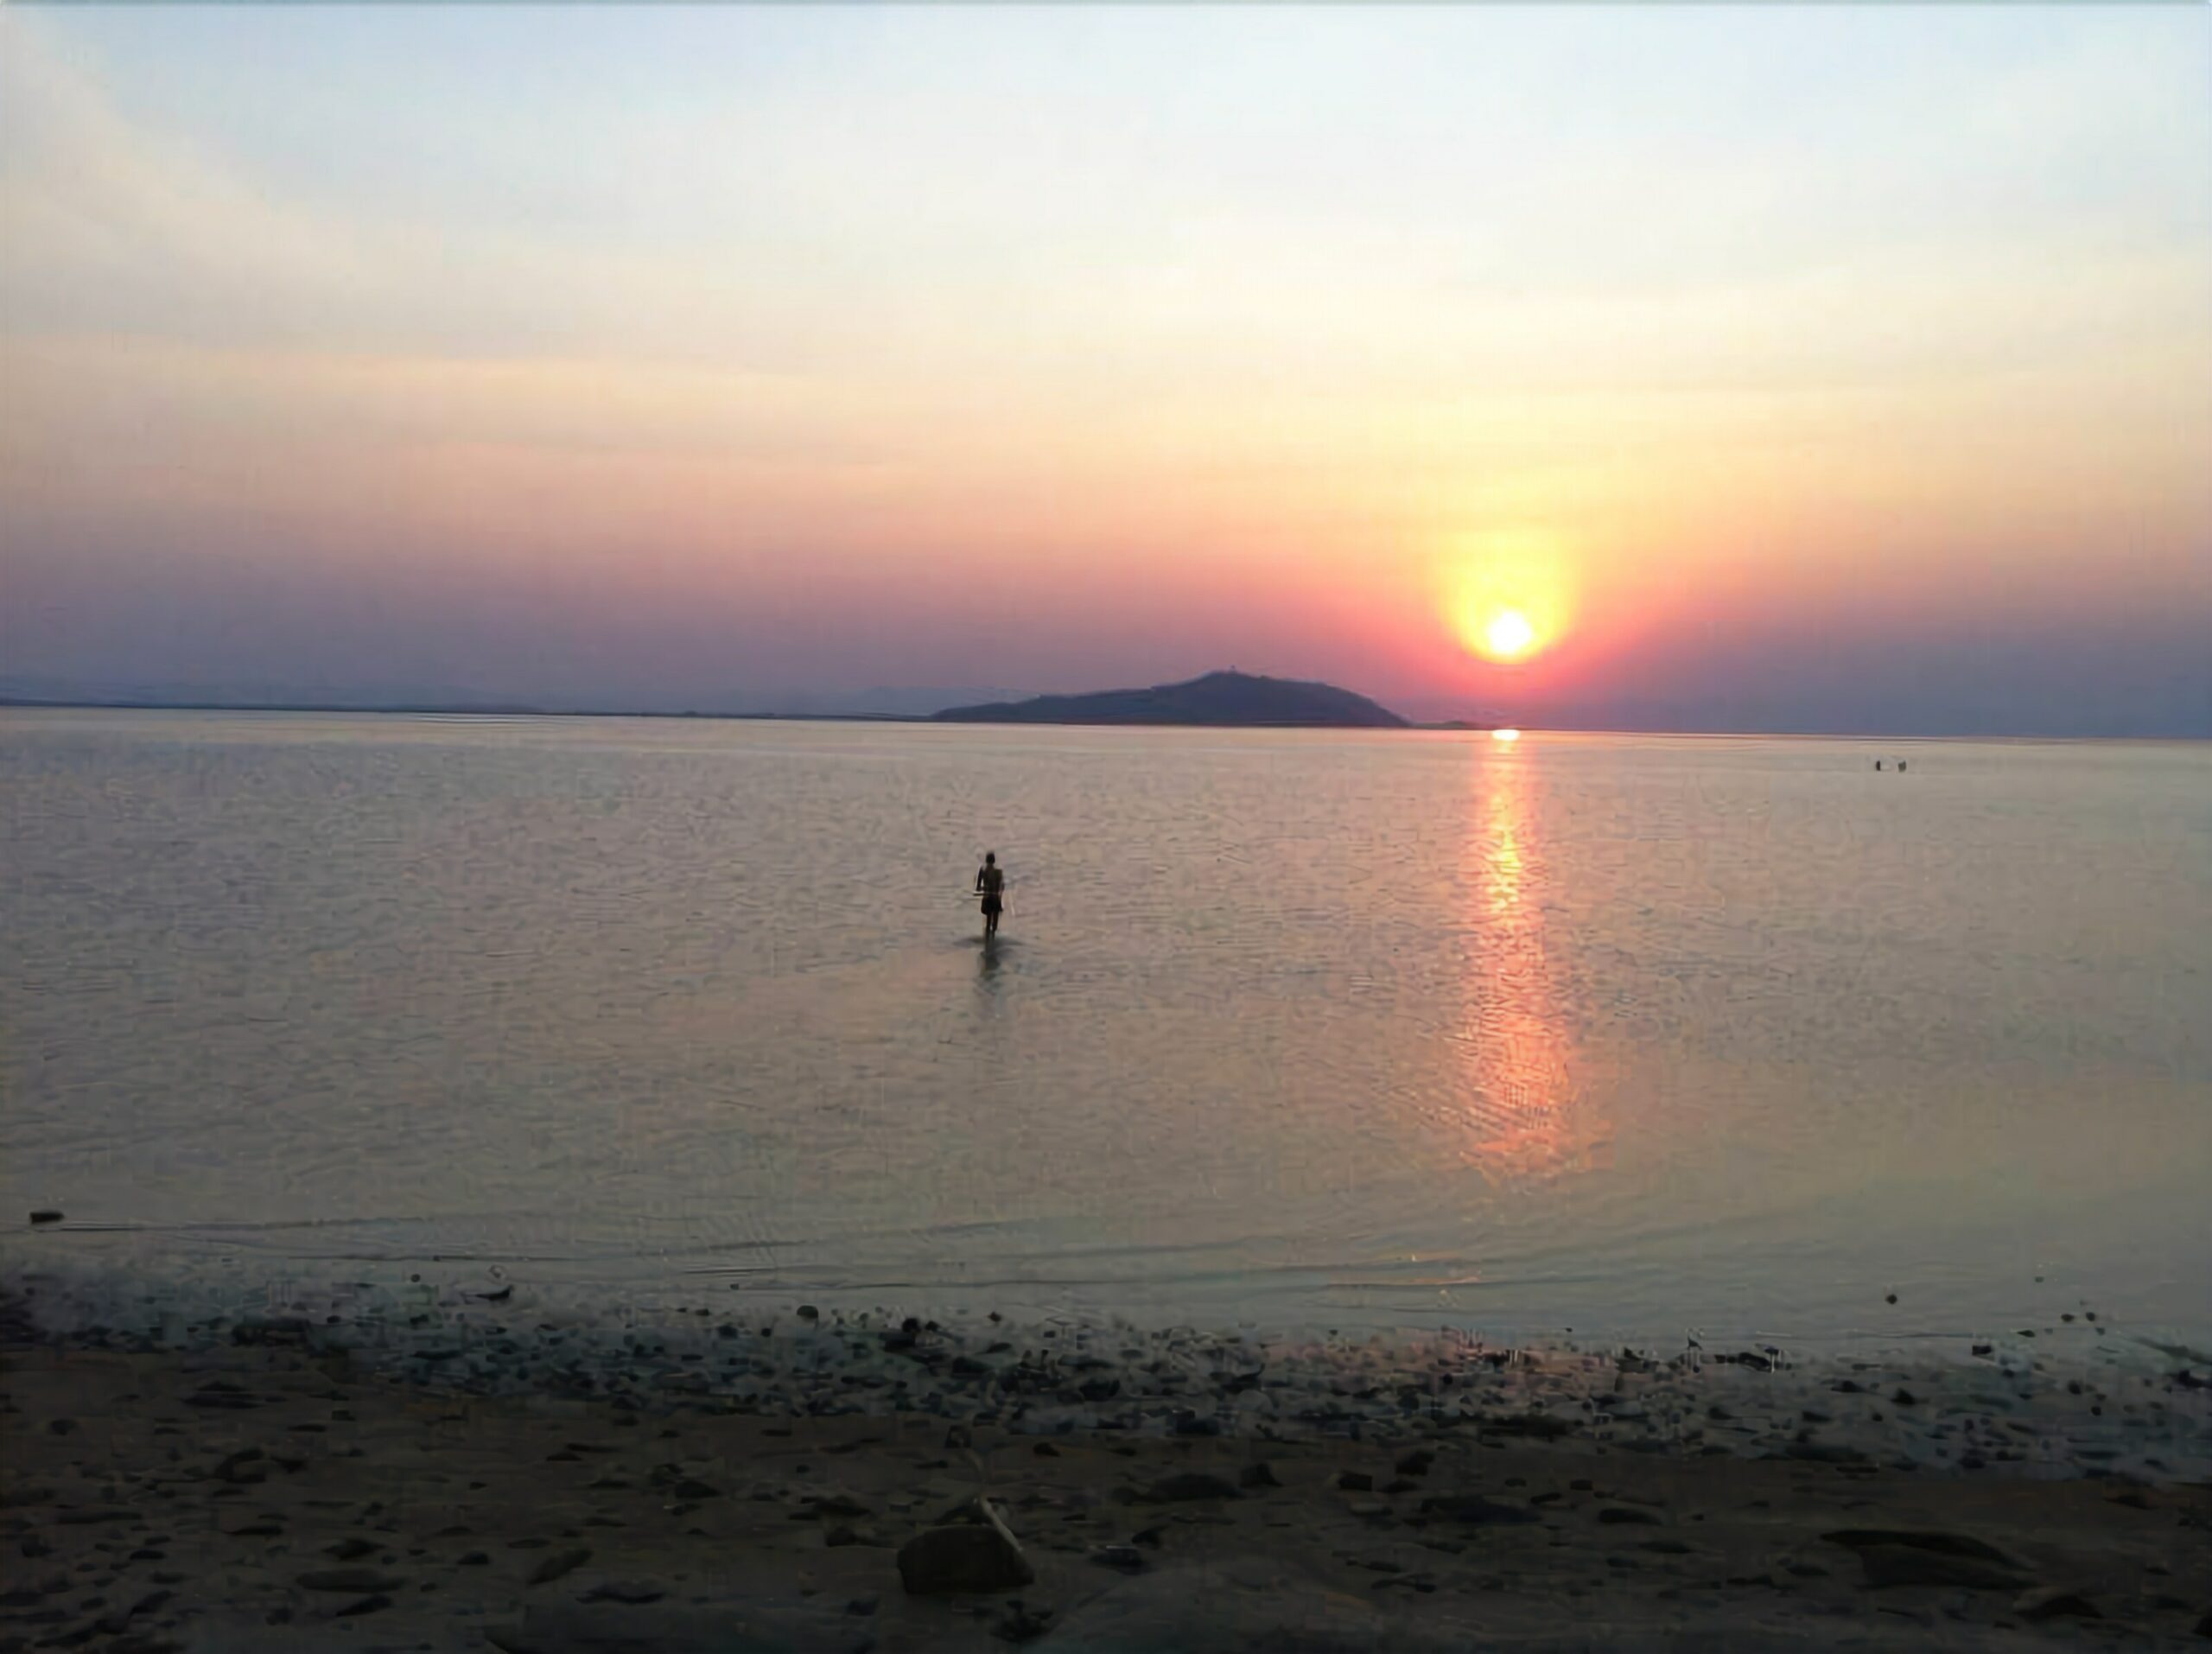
(990, 883)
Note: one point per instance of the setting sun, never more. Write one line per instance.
(1508, 593)
(1509, 636)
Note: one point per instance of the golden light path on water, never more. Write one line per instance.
(1517, 1051)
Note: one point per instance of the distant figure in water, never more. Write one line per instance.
(990, 883)
(1900, 767)
(1878, 763)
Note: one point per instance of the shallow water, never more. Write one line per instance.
(1639, 1037)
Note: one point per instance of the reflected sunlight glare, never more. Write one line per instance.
(1516, 1051)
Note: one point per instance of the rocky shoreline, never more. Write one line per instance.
(488, 1475)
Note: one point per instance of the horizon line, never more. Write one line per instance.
(1434, 726)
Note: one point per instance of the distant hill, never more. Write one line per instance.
(1235, 699)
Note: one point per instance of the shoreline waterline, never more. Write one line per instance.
(2072, 1397)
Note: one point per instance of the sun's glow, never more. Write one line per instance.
(1507, 596)
(1508, 735)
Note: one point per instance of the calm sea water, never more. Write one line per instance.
(1635, 1036)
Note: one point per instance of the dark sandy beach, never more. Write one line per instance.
(268, 1485)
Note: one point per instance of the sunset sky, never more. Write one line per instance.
(1812, 367)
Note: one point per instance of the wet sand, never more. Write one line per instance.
(267, 1486)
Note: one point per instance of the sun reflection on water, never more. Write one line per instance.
(1516, 1050)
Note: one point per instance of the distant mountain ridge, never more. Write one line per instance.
(1227, 699)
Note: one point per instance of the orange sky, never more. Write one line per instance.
(715, 353)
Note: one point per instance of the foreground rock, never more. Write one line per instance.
(1887, 1565)
(1910, 1556)
(2054, 1602)
(979, 1556)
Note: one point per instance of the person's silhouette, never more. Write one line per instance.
(990, 884)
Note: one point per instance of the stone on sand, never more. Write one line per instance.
(2054, 1602)
(973, 1556)
(1187, 1484)
(634, 1592)
(560, 1562)
(1891, 1565)
(1473, 1509)
(1941, 1543)
(355, 1581)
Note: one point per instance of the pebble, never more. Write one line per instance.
(243, 1467)
(1019, 1624)
(1473, 1509)
(2054, 1602)
(1932, 1540)
(1186, 1486)
(1887, 1565)
(632, 1592)
(358, 1580)
(560, 1562)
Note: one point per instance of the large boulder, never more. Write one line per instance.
(979, 1556)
